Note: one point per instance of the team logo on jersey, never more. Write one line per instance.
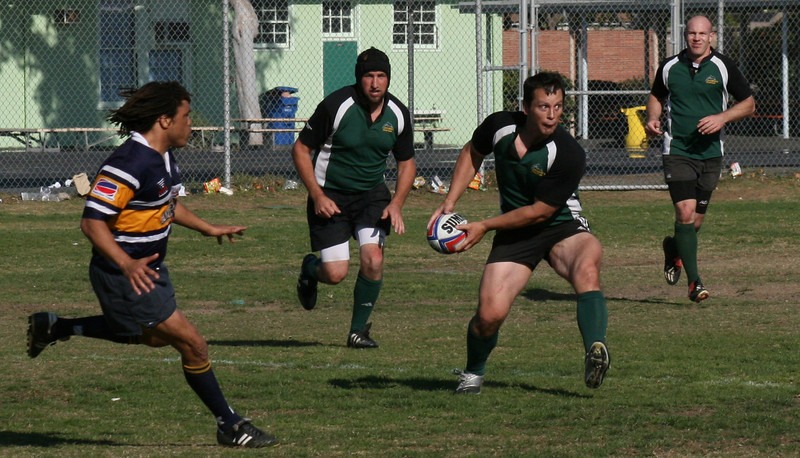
(388, 128)
(162, 188)
(711, 80)
(537, 170)
(105, 189)
(169, 213)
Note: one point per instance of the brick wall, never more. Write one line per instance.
(613, 55)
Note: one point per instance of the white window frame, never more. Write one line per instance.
(332, 14)
(424, 9)
(270, 17)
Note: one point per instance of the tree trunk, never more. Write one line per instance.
(245, 30)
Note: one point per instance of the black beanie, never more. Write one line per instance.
(372, 60)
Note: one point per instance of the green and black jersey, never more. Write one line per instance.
(550, 171)
(350, 151)
(693, 92)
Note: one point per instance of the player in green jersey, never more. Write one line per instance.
(539, 166)
(692, 89)
(341, 156)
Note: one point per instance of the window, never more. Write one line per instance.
(165, 65)
(424, 18)
(135, 48)
(337, 18)
(273, 23)
(172, 32)
(116, 49)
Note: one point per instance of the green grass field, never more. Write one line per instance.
(715, 379)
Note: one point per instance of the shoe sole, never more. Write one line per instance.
(31, 351)
(362, 346)
(306, 304)
(701, 297)
(471, 390)
(672, 268)
(307, 301)
(33, 330)
(601, 361)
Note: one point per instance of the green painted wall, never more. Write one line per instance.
(49, 72)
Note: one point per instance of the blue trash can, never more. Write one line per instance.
(278, 102)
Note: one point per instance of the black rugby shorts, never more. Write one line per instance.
(362, 209)
(529, 245)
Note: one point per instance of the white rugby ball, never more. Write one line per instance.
(443, 235)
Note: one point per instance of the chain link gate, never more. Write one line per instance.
(258, 75)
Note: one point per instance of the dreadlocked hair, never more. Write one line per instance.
(143, 106)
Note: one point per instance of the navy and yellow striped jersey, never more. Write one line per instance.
(134, 193)
(550, 171)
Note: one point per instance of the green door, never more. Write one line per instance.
(338, 61)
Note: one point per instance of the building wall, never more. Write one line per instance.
(613, 55)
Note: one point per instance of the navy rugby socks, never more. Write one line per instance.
(203, 381)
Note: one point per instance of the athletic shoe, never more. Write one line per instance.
(468, 383)
(698, 292)
(307, 286)
(361, 339)
(40, 332)
(672, 261)
(597, 361)
(244, 434)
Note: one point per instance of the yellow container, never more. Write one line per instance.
(636, 140)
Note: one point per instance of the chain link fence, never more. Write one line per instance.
(258, 68)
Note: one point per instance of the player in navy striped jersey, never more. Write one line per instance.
(539, 166)
(340, 156)
(128, 218)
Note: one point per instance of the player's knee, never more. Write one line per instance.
(486, 325)
(334, 277)
(195, 350)
(372, 270)
(586, 277)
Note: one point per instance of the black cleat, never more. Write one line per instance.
(361, 339)
(672, 261)
(698, 292)
(40, 332)
(307, 286)
(597, 362)
(244, 434)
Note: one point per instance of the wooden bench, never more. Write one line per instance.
(427, 122)
(46, 139)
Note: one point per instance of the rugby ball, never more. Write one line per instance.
(443, 235)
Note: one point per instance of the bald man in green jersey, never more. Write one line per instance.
(692, 89)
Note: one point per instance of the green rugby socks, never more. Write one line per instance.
(592, 317)
(478, 350)
(365, 294)
(686, 240)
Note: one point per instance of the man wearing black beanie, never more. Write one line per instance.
(341, 156)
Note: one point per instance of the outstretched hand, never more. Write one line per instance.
(221, 231)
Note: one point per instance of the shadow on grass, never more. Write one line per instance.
(431, 384)
(538, 294)
(10, 438)
(263, 343)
